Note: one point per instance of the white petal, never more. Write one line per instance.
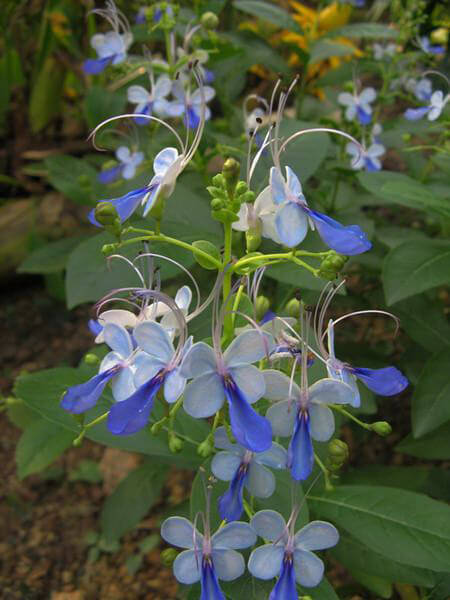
(200, 360)
(269, 525)
(277, 186)
(138, 95)
(186, 567)
(109, 361)
(179, 531)
(291, 223)
(308, 568)
(250, 381)
(242, 224)
(260, 481)
(330, 391)
(321, 422)
(122, 384)
(118, 339)
(282, 416)
(275, 457)
(265, 561)
(248, 347)
(119, 317)
(164, 159)
(277, 385)
(153, 339)
(317, 535)
(129, 172)
(293, 183)
(376, 150)
(163, 87)
(204, 396)
(346, 99)
(174, 386)
(183, 297)
(123, 153)
(228, 564)
(235, 535)
(225, 464)
(208, 92)
(367, 95)
(146, 368)
(221, 441)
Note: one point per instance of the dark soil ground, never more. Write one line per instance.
(44, 520)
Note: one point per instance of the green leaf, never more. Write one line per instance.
(50, 258)
(39, 445)
(397, 524)
(379, 586)
(354, 555)
(430, 401)
(75, 178)
(392, 236)
(45, 99)
(398, 188)
(424, 321)
(323, 49)
(100, 105)
(131, 500)
(433, 446)
(87, 470)
(268, 12)
(133, 563)
(362, 30)
(246, 588)
(414, 267)
(209, 248)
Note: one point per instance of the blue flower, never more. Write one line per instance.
(230, 377)
(385, 382)
(304, 415)
(151, 102)
(208, 558)
(433, 110)
(367, 159)
(429, 48)
(358, 105)
(289, 555)
(114, 368)
(423, 89)
(294, 216)
(155, 368)
(190, 104)
(244, 468)
(127, 168)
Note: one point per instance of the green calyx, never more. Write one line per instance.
(175, 443)
(168, 556)
(331, 265)
(106, 214)
(209, 20)
(382, 428)
(228, 193)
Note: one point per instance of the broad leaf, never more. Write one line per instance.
(433, 446)
(268, 12)
(323, 49)
(365, 30)
(414, 267)
(397, 524)
(75, 178)
(431, 398)
(99, 106)
(50, 258)
(131, 500)
(424, 321)
(40, 444)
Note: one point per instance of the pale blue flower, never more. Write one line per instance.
(244, 468)
(151, 102)
(433, 110)
(190, 104)
(429, 48)
(384, 51)
(365, 158)
(423, 89)
(303, 415)
(358, 105)
(288, 556)
(128, 161)
(208, 558)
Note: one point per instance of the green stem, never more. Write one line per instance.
(237, 301)
(344, 412)
(247, 508)
(328, 485)
(226, 285)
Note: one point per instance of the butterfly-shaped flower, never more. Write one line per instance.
(384, 51)
(244, 468)
(157, 366)
(190, 104)
(303, 414)
(429, 48)
(433, 110)
(289, 555)
(116, 367)
(151, 102)
(365, 158)
(358, 105)
(294, 216)
(230, 376)
(128, 161)
(208, 558)
(423, 89)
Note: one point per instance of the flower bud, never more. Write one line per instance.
(248, 196)
(241, 188)
(253, 239)
(382, 428)
(175, 443)
(262, 305)
(108, 249)
(293, 308)
(168, 556)
(206, 448)
(231, 169)
(338, 449)
(106, 213)
(217, 204)
(91, 359)
(209, 20)
(218, 180)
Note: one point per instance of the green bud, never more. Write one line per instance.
(106, 213)
(168, 556)
(382, 428)
(348, 86)
(175, 443)
(248, 196)
(338, 261)
(241, 188)
(252, 240)
(216, 192)
(209, 20)
(262, 305)
(108, 249)
(406, 137)
(330, 275)
(91, 359)
(219, 180)
(338, 449)
(231, 169)
(217, 204)
(293, 308)
(206, 448)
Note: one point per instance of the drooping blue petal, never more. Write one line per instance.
(300, 451)
(125, 205)
(94, 327)
(228, 564)
(109, 175)
(143, 110)
(349, 240)
(209, 583)
(82, 397)
(308, 568)
(370, 165)
(268, 316)
(386, 382)
(265, 562)
(251, 430)
(363, 116)
(132, 414)
(191, 119)
(230, 503)
(94, 66)
(285, 588)
(414, 114)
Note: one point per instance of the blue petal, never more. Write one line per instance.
(186, 567)
(300, 451)
(125, 205)
(363, 116)
(235, 535)
(94, 66)
(94, 327)
(270, 525)
(371, 167)
(414, 114)
(191, 119)
(147, 110)
(84, 396)
(209, 583)
(348, 240)
(277, 186)
(268, 316)
(265, 562)
(228, 564)
(285, 588)
(178, 531)
(291, 224)
(132, 414)
(308, 568)
(230, 503)
(316, 535)
(224, 465)
(109, 175)
(251, 430)
(386, 382)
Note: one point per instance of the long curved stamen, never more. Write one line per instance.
(272, 102)
(297, 134)
(367, 312)
(199, 132)
(250, 146)
(255, 326)
(116, 299)
(129, 262)
(320, 328)
(189, 35)
(266, 142)
(281, 106)
(93, 133)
